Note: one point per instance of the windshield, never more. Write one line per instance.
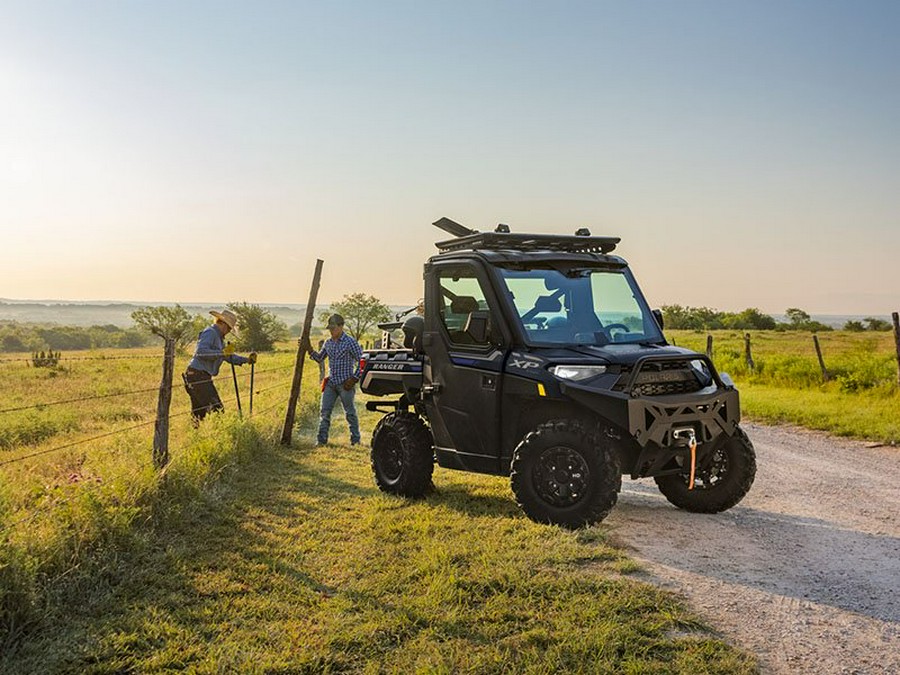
(586, 306)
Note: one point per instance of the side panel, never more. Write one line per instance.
(462, 383)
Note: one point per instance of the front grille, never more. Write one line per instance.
(660, 378)
(666, 388)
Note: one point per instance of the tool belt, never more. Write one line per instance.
(192, 376)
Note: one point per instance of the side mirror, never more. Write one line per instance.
(658, 315)
(477, 326)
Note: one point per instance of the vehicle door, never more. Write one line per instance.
(465, 367)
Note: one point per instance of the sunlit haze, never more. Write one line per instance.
(748, 154)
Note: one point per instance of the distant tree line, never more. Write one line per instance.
(706, 318)
(27, 337)
(260, 329)
(869, 323)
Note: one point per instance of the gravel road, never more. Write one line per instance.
(805, 571)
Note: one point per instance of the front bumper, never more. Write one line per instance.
(650, 420)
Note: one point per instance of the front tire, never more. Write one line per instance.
(402, 455)
(720, 483)
(566, 473)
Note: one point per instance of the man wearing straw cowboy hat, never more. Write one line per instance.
(211, 351)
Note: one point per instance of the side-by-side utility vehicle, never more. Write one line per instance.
(538, 358)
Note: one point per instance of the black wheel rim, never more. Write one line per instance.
(561, 476)
(389, 456)
(712, 473)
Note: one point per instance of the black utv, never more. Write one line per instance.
(538, 358)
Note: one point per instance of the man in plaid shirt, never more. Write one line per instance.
(343, 354)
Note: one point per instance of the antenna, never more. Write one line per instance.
(454, 228)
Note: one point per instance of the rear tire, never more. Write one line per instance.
(720, 484)
(566, 473)
(402, 455)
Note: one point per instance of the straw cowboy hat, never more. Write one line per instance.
(226, 316)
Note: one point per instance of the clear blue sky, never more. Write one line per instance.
(747, 153)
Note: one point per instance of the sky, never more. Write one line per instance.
(748, 153)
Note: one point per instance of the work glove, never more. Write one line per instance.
(349, 383)
(228, 350)
(252, 357)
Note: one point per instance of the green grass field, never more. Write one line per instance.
(860, 400)
(248, 557)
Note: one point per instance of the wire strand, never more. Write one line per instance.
(111, 433)
(51, 503)
(74, 443)
(89, 358)
(95, 397)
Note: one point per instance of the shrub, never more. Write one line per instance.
(45, 360)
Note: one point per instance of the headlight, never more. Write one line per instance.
(702, 372)
(577, 372)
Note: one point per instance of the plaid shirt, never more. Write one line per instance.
(343, 358)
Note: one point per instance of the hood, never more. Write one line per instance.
(621, 354)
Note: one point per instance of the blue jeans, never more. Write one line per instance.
(329, 398)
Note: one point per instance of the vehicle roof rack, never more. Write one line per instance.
(503, 239)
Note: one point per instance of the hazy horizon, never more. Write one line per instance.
(748, 154)
(51, 303)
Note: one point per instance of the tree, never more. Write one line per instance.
(169, 323)
(259, 329)
(800, 320)
(796, 316)
(854, 326)
(873, 323)
(12, 343)
(749, 318)
(360, 311)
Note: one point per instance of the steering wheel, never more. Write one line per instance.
(618, 326)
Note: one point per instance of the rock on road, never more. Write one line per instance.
(805, 571)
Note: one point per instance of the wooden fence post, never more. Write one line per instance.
(896, 317)
(161, 428)
(709, 345)
(322, 362)
(825, 376)
(747, 353)
(289, 415)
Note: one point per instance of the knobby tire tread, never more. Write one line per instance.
(719, 498)
(595, 449)
(417, 454)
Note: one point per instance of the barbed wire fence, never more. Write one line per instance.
(159, 457)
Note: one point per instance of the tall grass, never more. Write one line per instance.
(861, 398)
(301, 565)
(62, 513)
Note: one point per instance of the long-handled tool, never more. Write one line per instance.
(237, 392)
(252, 372)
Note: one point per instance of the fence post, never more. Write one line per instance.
(709, 345)
(896, 317)
(289, 415)
(161, 428)
(322, 362)
(825, 376)
(747, 353)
